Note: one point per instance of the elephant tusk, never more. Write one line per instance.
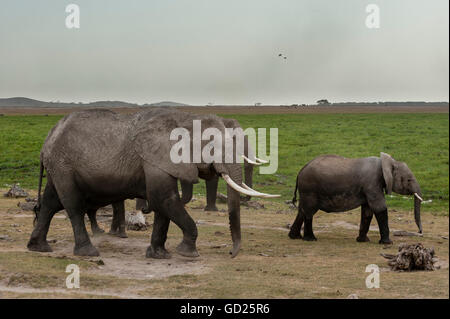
(261, 160)
(417, 195)
(250, 161)
(261, 194)
(244, 191)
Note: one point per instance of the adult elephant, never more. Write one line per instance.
(97, 157)
(334, 184)
(118, 222)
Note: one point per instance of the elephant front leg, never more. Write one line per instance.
(382, 219)
(211, 193)
(366, 218)
(159, 237)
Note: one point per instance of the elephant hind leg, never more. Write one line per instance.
(307, 208)
(92, 214)
(308, 234)
(49, 206)
(366, 218)
(295, 232)
(76, 208)
(118, 222)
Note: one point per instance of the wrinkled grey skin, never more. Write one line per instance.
(97, 157)
(335, 184)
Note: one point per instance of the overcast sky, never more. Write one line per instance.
(225, 52)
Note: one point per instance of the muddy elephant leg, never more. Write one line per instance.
(50, 204)
(92, 214)
(118, 222)
(211, 193)
(159, 237)
(295, 232)
(366, 218)
(382, 219)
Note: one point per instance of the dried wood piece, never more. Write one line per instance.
(412, 257)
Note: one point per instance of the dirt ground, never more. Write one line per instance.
(270, 265)
(250, 110)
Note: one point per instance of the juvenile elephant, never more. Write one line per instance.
(335, 184)
(96, 157)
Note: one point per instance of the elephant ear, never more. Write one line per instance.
(387, 166)
(152, 143)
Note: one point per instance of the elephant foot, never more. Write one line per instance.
(86, 250)
(39, 246)
(187, 250)
(211, 208)
(293, 235)
(157, 253)
(309, 238)
(362, 239)
(385, 241)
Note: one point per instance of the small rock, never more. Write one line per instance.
(16, 192)
(352, 296)
(444, 237)
(287, 226)
(4, 237)
(51, 241)
(263, 254)
(135, 221)
(219, 233)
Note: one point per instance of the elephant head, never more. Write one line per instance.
(249, 155)
(399, 178)
(156, 144)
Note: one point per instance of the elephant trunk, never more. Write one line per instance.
(417, 202)
(234, 209)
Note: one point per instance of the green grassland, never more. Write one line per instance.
(421, 140)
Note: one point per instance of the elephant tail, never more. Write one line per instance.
(37, 207)
(294, 199)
